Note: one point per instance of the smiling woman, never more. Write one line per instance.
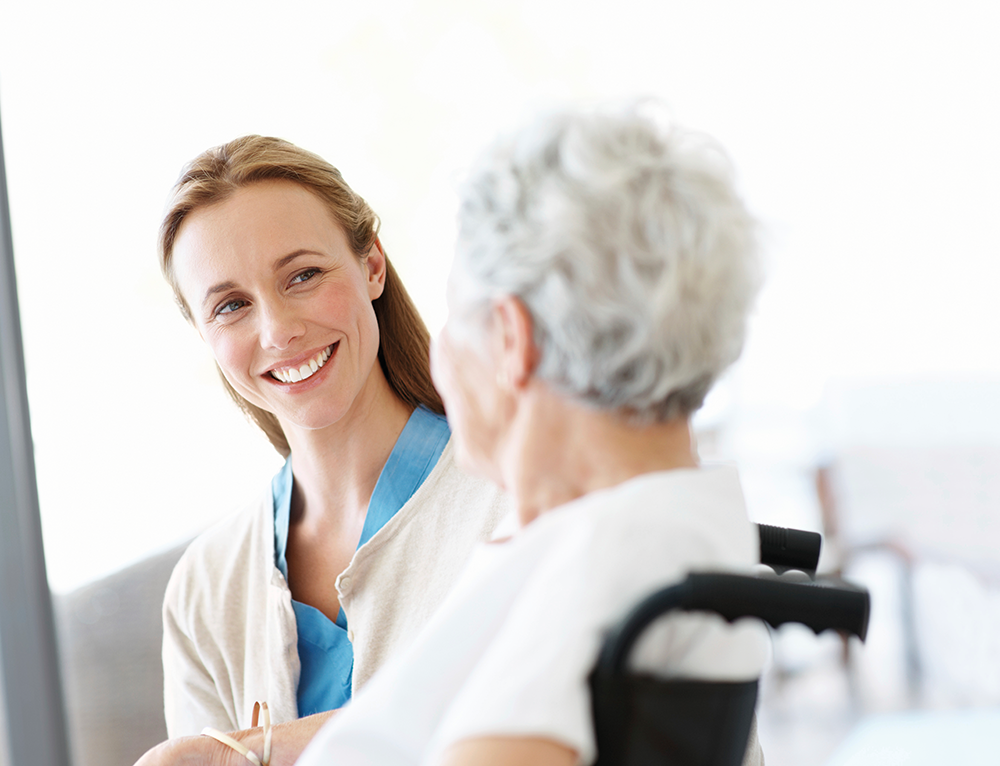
(286, 306)
(250, 161)
(277, 264)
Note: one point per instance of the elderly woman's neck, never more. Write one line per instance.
(559, 450)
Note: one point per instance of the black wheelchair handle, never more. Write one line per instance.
(784, 548)
(821, 605)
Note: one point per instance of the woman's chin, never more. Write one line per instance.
(311, 420)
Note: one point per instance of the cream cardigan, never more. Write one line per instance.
(229, 633)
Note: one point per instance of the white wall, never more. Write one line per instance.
(864, 134)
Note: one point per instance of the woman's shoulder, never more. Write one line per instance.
(450, 505)
(224, 554)
(448, 479)
(464, 501)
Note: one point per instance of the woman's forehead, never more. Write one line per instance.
(252, 230)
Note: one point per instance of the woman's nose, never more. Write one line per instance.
(279, 326)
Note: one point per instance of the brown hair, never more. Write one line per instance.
(215, 174)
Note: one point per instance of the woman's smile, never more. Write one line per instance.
(300, 372)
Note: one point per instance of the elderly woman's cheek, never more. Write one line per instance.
(445, 377)
(458, 373)
(439, 373)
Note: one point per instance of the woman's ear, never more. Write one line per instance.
(376, 265)
(518, 355)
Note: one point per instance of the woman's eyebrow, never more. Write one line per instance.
(284, 261)
(219, 288)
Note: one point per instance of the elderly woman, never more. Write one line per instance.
(604, 272)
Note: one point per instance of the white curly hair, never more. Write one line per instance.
(628, 244)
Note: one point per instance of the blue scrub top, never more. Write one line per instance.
(325, 653)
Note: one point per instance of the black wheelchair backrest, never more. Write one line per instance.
(640, 719)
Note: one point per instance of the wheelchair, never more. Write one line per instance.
(641, 720)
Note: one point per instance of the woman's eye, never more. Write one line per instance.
(304, 276)
(230, 307)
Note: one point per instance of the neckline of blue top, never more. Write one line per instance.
(325, 652)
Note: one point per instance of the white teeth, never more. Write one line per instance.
(293, 375)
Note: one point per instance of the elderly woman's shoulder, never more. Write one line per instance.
(681, 519)
(673, 499)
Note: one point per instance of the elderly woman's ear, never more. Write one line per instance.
(514, 343)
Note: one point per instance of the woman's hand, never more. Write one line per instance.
(186, 751)
(288, 740)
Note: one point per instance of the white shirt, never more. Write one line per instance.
(509, 651)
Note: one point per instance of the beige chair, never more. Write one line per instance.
(110, 633)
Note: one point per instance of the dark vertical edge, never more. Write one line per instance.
(36, 717)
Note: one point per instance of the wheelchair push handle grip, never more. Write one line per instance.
(784, 548)
(820, 605)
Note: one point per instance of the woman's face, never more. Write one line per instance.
(282, 301)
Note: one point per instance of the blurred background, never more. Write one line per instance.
(867, 402)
